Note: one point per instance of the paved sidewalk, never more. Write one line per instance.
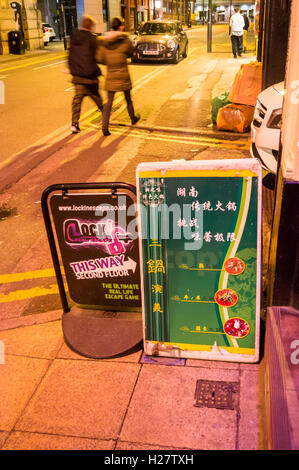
(52, 398)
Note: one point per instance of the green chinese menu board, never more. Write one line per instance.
(200, 244)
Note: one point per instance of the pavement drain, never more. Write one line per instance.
(221, 395)
(6, 211)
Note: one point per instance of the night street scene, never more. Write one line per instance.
(149, 228)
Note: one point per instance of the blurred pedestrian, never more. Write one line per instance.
(236, 26)
(115, 48)
(245, 31)
(84, 68)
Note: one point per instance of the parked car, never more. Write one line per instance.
(160, 40)
(266, 126)
(49, 33)
(46, 36)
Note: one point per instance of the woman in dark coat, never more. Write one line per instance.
(114, 50)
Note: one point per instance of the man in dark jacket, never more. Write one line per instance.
(245, 31)
(84, 68)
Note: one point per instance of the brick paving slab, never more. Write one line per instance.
(212, 364)
(137, 446)
(18, 380)
(35, 441)
(66, 353)
(41, 341)
(162, 412)
(81, 398)
(3, 437)
(248, 424)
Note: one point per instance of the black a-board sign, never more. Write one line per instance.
(98, 243)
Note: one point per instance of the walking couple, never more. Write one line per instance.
(112, 50)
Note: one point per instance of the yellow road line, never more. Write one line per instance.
(27, 64)
(25, 294)
(186, 140)
(37, 274)
(191, 138)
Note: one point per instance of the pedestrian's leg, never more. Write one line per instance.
(234, 45)
(107, 112)
(130, 107)
(76, 105)
(244, 40)
(240, 45)
(95, 95)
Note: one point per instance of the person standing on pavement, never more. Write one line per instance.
(236, 26)
(84, 68)
(114, 51)
(245, 31)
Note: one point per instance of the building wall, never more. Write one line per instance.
(7, 24)
(92, 8)
(222, 10)
(135, 12)
(175, 9)
(114, 9)
(32, 25)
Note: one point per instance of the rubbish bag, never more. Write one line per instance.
(247, 84)
(235, 117)
(217, 103)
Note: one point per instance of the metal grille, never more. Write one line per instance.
(151, 46)
(259, 114)
(211, 394)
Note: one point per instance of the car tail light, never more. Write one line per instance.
(275, 120)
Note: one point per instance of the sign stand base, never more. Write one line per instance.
(101, 334)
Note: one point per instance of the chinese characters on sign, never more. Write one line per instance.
(201, 276)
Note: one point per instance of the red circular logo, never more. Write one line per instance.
(226, 297)
(234, 266)
(236, 327)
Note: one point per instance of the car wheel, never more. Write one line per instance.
(45, 43)
(176, 58)
(134, 61)
(185, 51)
